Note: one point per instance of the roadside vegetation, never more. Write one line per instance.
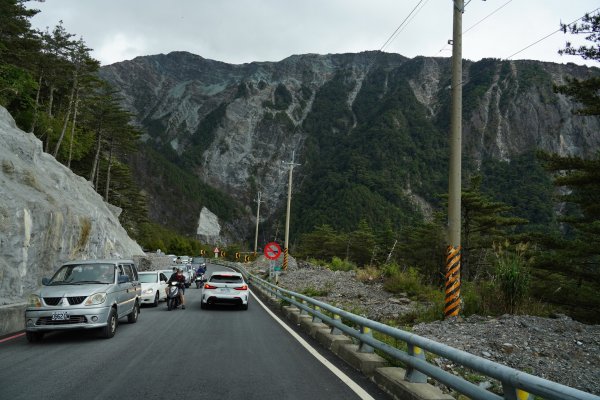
(519, 256)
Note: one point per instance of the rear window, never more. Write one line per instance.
(226, 278)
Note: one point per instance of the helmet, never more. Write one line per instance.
(179, 270)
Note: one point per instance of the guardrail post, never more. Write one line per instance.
(365, 348)
(413, 375)
(292, 304)
(334, 329)
(316, 319)
(302, 310)
(513, 393)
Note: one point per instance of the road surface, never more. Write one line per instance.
(221, 353)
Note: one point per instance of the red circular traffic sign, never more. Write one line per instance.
(272, 251)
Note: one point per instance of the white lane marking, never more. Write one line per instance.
(360, 392)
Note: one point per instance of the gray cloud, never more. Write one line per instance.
(238, 31)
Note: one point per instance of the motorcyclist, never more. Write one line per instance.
(180, 279)
(201, 270)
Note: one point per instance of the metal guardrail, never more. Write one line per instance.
(516, 385)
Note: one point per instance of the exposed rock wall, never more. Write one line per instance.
(209, 228)
(48, 215)
(509, 107)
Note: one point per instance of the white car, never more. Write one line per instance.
(185, 259)
(153, 287)
(225, 287)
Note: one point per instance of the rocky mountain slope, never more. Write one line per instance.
(48, 215)
(233, 125)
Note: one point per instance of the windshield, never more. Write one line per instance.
(198, 260)
(84, 273)
(148, 278)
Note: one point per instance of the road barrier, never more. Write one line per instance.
(516, 385)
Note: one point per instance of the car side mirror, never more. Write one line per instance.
(123, 279)
(45, 281)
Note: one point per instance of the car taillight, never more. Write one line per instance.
(243, 287)
(207, 286)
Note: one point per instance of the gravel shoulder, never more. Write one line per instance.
(559, 349)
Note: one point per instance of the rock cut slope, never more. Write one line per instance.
(48, 215)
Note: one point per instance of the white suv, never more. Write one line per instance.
(225, 287)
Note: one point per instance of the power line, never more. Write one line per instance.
(487, 16)
(550, 34)
(477, 23)
(401, 26)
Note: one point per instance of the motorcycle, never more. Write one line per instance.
(199, 280)
(173, 300)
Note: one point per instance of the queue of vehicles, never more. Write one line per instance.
(96, 294)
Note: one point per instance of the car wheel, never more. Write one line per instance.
(111, 325)
(156, 299)
(203, 306)
(245, 306)
(134, 314)
(34, 337)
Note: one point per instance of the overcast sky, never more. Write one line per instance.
(241, 31)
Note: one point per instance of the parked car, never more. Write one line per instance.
(154, 284)
(225, 287)
(185, 259)
(198, 261)
(87, 294)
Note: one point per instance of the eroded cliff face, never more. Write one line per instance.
(234, 125)
(48, 215)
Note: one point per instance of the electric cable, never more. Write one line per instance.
(550, 34)
(487, 16)
(398, 29)
(477, 23)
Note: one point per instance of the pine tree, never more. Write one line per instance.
(484, 221)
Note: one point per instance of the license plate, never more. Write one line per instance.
(60, 316)
(224, 290)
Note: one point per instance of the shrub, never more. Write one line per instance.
(314, 292)
(337, 264)
(368, 274)
(408, 281)
(479, 298)
(512, 275)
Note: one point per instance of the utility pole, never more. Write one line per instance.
(257, 219)
(287, 219)
(452, 302)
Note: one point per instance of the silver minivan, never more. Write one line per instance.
(84, 294)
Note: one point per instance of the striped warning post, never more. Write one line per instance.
(452, 303)
(285, 259)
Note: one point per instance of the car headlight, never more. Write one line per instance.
(95, 299)
(34, 301)
(148, 291)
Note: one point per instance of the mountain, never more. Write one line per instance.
(48, 215)
(369, 130)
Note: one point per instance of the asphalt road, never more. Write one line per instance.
(221, 353)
